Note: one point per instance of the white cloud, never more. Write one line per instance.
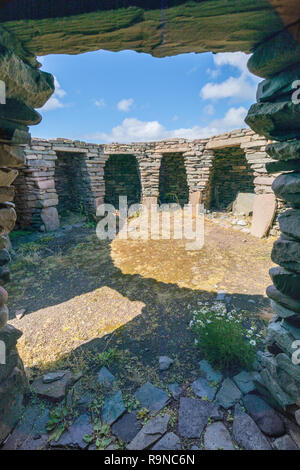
(242, 87)
(134, 130)
(54, 102)
(175, 117)
(100, 103)
(125, 105)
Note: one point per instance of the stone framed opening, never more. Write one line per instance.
(230, 174)
(122, 178)
(173, 183)
(71, 184)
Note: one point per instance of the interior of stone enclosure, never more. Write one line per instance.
(121, 176)
(173, 186)
(230, 174)
(268, 29)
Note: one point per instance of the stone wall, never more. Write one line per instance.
(122, 178)
(50, 164)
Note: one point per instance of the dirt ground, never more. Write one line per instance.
(84, 296)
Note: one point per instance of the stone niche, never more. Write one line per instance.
(122, 178)
(230, 174)
(173, 185)
(71, 184)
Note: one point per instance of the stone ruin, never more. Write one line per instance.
(61, 175)
(270, 29)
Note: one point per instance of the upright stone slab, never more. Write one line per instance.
(264, 209)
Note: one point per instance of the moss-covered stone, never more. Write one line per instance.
(284, 150)
(279, 121)
(141, 26)
(277, 54)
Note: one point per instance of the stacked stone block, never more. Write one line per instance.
(277, 116)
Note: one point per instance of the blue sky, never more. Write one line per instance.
(127, 96)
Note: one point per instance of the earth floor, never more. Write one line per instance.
(125, 303)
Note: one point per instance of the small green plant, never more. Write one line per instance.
(100, 436)
(222, 338)
(143, 414)
(107, 357)
(57, 423)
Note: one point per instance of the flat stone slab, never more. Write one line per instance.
(246, 433)
(209, 373)
(56, 390)
(152, 398)
(217, 437)
(264, 416)
(165, 362)
(150, 433)
(193, 416)
(229, 394)
(53, 376)
(168, 442)
(243, 204)
(175, 390)
(244, 381)
(105, 377)
(73, 437)
(113, 408)
(202, 389)
(264, 209)
(127, 427)
(30, 433)
(285, 443)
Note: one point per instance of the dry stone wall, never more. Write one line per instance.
(43, 185)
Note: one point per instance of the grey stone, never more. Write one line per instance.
(8, 219)
(286, 282)
(244, 382)
(3, 316)
(264, 210)
(49, 216)
(217, 437)
(285, 443)
(209, 373)
(74, 436)
(284, 150)
(168, 442)
(150, 433)
(193, 416)
(32, 424)
(243, 203)
(286, 253)
(20, 112)
(202, 389)
(229, 394)
(55, 391)
(4, 257)
(11, 156)
(175, 390)
(264, 416)
(127, 427)
(53, 376)
(279, 85)
(279, 121)
(152, 398)
(277, 394)
(281, 166)
(165, 362)
(113, 408)
(285, 363)
(289, 223)
(84, 401)
(287, 187)
(10, 335)
(246, 433)
(283, 305)
(297, 416)
(105, 377)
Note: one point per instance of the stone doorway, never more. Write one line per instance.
(71, 184)
(173, 186)
(121, 176)
(230, 174)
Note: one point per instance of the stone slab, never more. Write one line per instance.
(264, 209)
